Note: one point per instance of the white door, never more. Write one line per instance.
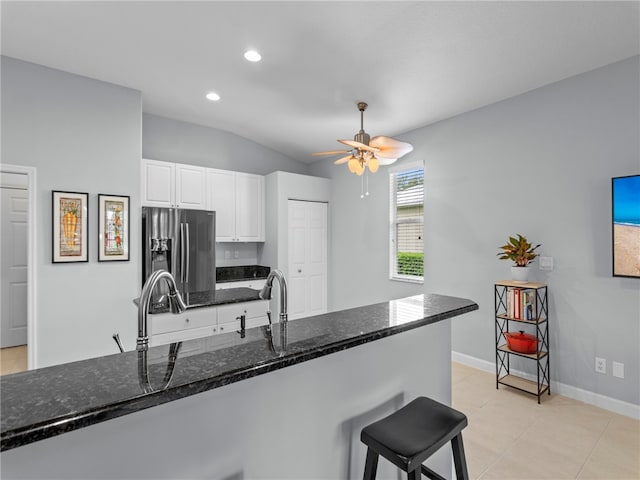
(307, 279)
(13, 330)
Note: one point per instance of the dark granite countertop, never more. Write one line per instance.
(42, 403)
(212, 299)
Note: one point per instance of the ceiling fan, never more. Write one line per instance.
(369, 152)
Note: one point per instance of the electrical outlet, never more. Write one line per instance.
(601, 365)
(618, 369)
(227, 254)
(236, 254)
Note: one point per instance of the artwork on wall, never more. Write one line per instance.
(69, 226)
(625, 202)
(113, 228)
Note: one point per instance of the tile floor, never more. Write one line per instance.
(13, 359)
(510, 436)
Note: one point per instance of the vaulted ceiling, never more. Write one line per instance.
(415, 63)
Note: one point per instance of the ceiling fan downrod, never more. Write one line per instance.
(362, 136)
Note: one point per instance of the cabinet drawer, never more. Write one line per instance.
(182, 335)
(191, 319)
(228, 313)
(256, 284)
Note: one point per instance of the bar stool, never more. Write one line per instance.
(411, 435)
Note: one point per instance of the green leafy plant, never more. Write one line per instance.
(411, 263)
(519, 251)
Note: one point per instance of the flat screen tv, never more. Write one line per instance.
(625, 201)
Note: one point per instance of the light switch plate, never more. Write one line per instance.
(546, 263)
(618, 369)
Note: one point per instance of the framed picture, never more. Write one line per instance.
(625, 204)
(113, 228)
(69, 226)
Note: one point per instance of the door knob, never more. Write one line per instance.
(299, 270)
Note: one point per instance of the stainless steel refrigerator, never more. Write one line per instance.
(183, 242)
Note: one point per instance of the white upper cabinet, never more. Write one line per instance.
(221, 197)
(249, 207)
(158, 183)
(238, 199)
(166, 184)
(190, 187)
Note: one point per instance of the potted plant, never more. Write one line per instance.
(521, 252)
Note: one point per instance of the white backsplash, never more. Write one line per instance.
(233, 254)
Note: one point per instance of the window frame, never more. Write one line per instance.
(393, 222)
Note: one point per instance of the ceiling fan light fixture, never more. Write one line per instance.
(369, 153)
(353, 164)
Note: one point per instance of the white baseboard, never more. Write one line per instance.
(612, 404)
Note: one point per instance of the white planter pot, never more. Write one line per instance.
(520, 274)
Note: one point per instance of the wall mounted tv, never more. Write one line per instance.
(625, 201)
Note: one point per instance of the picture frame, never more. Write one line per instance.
(113, 228)
(70, 218)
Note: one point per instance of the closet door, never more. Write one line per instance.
(307, 279)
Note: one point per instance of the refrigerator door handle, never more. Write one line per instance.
(187, 250)
(182, 253)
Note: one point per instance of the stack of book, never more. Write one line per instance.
(521, 303)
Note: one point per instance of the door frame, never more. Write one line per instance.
(30, 172)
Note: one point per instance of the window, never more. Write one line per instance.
(407, 223)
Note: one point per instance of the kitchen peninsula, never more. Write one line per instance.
(219, 415)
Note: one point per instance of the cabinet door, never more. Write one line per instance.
(158, 182)
(249, 207)
(221, 198)
(190, 187)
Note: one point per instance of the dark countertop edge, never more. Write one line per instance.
(24, 436)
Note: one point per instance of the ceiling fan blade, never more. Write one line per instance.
(358, 145)
(385, 161)
(331, 152)
(390, 148)
(342, 160)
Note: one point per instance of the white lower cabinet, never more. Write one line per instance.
(206, 321)
(255, 313)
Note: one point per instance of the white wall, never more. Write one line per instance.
(539, 164)
(81, 135)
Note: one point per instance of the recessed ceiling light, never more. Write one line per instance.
(252, 56)
(214, 97)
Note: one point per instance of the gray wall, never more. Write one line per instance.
(539, 164)
(81, 135)
(85, 135)
(175, 141)
(359, 239)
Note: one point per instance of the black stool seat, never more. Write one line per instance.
(412, 434)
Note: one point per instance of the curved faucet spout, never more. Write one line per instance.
(265, 294)
(176, 304)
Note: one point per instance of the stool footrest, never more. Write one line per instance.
(427, 472)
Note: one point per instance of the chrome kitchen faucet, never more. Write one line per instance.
(265, 294)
